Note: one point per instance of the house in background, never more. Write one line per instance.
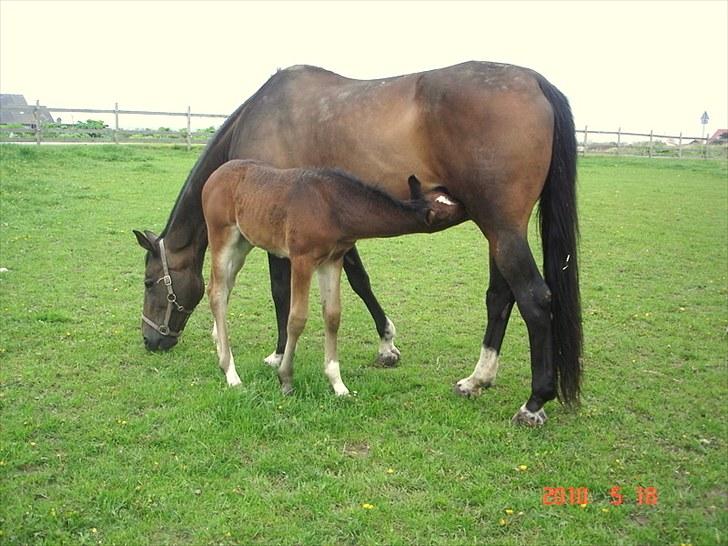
(721, 135)
(15, 110)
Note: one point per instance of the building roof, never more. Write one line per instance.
(22, 116)
(720, 134)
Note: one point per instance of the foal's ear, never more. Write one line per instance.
(415, 187)
(147, 241)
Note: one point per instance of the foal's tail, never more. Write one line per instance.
(559, 236)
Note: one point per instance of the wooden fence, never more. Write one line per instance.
(653, 145)
(40, 132)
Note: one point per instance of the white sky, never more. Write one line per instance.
(638, 65)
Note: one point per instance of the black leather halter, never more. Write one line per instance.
(171, 299)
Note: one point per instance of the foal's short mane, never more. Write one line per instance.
(367, 191)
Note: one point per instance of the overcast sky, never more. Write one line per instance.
(638, 65)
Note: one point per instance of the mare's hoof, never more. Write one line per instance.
(273, 360)
(388, 358)
(529, 419)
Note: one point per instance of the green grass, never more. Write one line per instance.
(102, 442)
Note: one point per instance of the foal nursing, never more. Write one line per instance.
(313, 217)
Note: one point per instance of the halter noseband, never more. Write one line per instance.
(171, 299)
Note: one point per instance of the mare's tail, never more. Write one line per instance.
(559, 236)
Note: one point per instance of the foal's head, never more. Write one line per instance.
(172, 290)
(439, 208)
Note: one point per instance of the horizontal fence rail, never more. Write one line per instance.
(676, 146)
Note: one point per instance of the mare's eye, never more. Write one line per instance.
(148, 283)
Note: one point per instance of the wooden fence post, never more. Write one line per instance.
(586, 132)
(649, 149)
(36, 117)
(116, 122)
(189, 125)
(679, 146)
(619, 139)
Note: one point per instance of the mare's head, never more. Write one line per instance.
(439, 208)
(172, 289)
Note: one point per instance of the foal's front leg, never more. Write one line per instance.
(329, 276)
(301, 272)
(227, 259)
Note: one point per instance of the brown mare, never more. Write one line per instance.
(313, 218)
(499, 137)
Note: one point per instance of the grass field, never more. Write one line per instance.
(104, 443)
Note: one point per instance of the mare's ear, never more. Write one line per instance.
(415, 187)
(147, 241)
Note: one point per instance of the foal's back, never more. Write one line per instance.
(283, 211)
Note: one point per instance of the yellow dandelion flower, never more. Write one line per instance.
(390, 471)
(509, 511)
(522, 467)
(502, 521)
(582, 505)
(367, 506)
(605, 510)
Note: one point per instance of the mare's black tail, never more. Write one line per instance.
(559, 236)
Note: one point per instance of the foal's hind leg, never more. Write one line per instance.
(499, 302)
(329, 282)
(301, 272)
(228, 256)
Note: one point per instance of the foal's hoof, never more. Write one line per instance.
(388, 358)
(469, 388)
(529, 419)
(273, 360)
(287, 390)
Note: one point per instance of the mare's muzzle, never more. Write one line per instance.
(165, 338)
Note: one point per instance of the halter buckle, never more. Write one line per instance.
(163, 329)
(167, 280)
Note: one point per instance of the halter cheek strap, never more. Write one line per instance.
(171, 299)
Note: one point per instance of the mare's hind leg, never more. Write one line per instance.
(228, 256)
(499, 302)
(329, 282)
(359, 281)
(301, 272)
(515, 261)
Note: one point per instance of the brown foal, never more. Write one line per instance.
(312, 217)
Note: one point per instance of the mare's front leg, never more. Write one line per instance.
(229, 251)
(329, 276)
(301, 272)
(359, 281)
(280, 288)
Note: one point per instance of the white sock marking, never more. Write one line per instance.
(332, 371)
(484, 373)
